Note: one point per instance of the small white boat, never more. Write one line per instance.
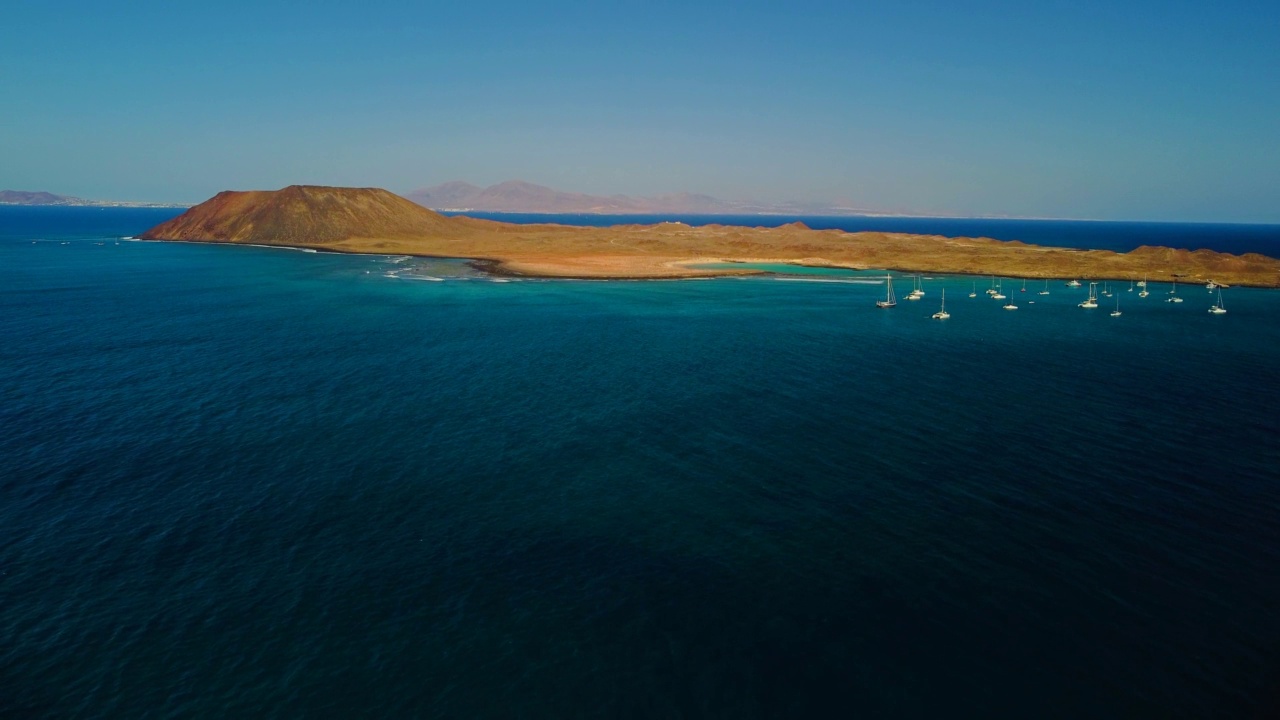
(1219, 309)
(918, 292)
(1074, 283)
(1092, 300)
(997, 295)
(1045, 291)
(1024, 285)
(942, 313)
(1173, 294)
(1142, 283)
(992, 290)
(1116, 312)
(1130, 286)
(975, 289)
(888, 301)
(1106, 289)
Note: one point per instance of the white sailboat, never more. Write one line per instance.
(1116, 312)
(974, 293)
(1024, 284)
(997, 295)
(1143, 284)
(1074, 283)
(992, 290)
(1106, 289)
(889, 300)
(1010, 306)
(1092, 301)
(916, 293)
(1219, 309)
(1130, 286)
(942, 313)
(1045, 291)
(1173, 294)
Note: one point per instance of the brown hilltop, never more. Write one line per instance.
(302, 215)
(369, 220)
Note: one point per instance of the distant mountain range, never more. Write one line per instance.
(28, 197)
(515, 196)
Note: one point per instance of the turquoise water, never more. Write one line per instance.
(245, 481)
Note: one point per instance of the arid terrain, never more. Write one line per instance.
(370, 220)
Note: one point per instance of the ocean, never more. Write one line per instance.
(244, 481)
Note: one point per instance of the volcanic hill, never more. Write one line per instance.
(302, 215)
(370, 220)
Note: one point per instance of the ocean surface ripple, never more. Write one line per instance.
(239, 481)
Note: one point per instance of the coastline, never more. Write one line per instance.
(373, 221)
(616, 268)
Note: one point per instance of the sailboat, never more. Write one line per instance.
(975, 289)
(1024, 284)
(1009, 305)
(1116, 312)
(1045, 291)
(1130, 286)
(1218, 309)
(1106, 289)
(997, 295)
(992, 290)
(1173, 294)
(942, 314)
(1074, 283)
(916, 293)
(1092, 301)
(889, 300)
(1143, 284)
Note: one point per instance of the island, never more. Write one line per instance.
(376, 221)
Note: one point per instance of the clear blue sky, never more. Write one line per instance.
(1124, 110)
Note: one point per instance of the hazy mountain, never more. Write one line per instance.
(522, 197)
(28, 197)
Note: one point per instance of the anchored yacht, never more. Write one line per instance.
(1092, 300)
(889, 300)
(942, 313)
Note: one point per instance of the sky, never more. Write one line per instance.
(1131, 110)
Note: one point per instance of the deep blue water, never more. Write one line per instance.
(253, 482)
(1117, 236)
